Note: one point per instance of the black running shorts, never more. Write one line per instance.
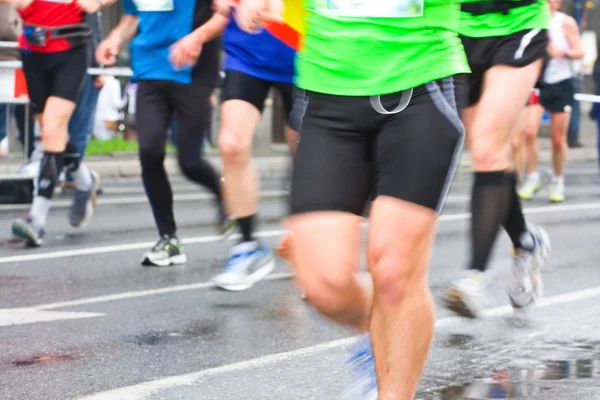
(404, 145)
(557, 97)
(241, 86)
(517, 50)
(57, 74)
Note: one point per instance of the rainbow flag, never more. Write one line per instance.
(292, 31)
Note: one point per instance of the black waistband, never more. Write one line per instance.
(494, 6)
(64, 31)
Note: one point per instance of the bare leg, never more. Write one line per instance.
(334, 290)
(403, 315)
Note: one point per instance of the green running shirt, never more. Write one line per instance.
(376, 47)
(533, 16)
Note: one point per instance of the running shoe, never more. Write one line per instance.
(362, 379)
(557, 192)
(249, 263)
(225, 224)
(24, 229)
(166, 252)
(466, 296)
(525, 285)
(84, 202)
(530, 187)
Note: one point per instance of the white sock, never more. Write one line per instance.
(83, 178)
(558, 179)
(534, 175)
(39, 211)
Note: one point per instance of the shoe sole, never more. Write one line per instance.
(175, 260)
(91, 204)
(455, 301)
(19, 232)
(253, 278)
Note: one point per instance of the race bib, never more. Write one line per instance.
(154, 5)
(371, 8)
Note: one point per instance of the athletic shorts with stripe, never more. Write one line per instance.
(405, 145)
(516, 50)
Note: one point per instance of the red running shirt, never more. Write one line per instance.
(50, 13)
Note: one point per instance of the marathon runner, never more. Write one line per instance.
(382, 117)
(54, 51)
(254, 64)
(556, 96)
(175, 58)
(505, 42)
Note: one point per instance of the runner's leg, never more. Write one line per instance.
(243, 98)
(54, 98)
(193, 113)
(533, 181)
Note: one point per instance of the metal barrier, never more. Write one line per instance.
(13, 92)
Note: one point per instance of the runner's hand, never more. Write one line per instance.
(107, 51)
(252, 14)
(89, 6)
(223, 7)
(99, 82)
(185, 52)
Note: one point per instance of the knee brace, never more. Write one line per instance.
(50, 168)
(72, 158)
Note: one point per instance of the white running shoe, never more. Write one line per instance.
(466, 296)
(248, 264)
(524, 283)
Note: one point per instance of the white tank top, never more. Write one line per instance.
(558, 69)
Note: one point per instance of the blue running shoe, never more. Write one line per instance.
(362, 379)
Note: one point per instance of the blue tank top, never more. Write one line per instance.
(260, 55)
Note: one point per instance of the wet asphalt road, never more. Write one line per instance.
(81, 319)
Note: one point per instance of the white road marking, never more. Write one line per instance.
(144, 390)
(551, 209)
(144, 293)
(19, 316)
(123, 247)
(104, 201)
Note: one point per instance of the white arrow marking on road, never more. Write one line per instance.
(19, 316)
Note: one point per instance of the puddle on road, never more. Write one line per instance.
(206, 331)
(521, 383)
(41, 359)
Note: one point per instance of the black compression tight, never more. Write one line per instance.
(157, 103)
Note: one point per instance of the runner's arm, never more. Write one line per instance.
(571, 31)
(126, 29)
(212, 29)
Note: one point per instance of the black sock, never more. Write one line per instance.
(490, 204)
(515, 220)
(246, 225)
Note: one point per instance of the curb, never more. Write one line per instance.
(112, 168)
(279, 166)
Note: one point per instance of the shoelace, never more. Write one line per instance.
(161, 244)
